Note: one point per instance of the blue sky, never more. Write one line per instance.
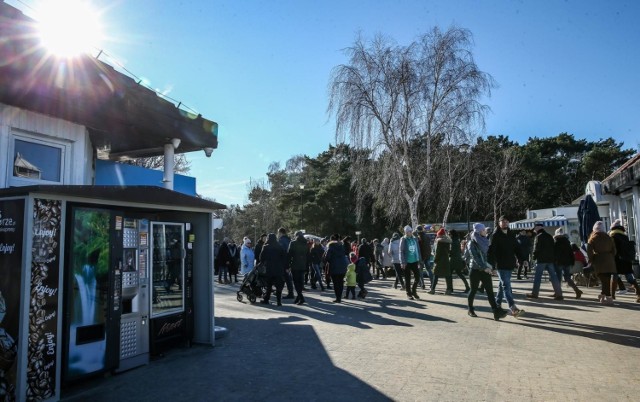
(261, 68)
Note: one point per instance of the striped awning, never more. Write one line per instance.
(554, 221)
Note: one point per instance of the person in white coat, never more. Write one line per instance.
(247, 257)
(394, 252)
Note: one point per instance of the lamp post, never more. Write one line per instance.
(358, 233)
(301, 205)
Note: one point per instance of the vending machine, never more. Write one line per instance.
(134, 319)
(107, 293)
(93, 291)
(171, 284)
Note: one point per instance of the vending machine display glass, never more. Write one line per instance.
(167, 269)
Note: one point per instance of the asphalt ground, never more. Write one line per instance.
(390, 348)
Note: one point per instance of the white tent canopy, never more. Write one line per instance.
(554, 221)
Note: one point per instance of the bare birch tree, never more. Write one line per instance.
(392, 103)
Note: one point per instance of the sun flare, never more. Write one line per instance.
(68, 28)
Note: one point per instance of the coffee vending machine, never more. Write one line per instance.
(134, 319)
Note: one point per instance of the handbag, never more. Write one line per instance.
(261, 268)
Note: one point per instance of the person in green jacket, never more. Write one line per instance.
(350, 277)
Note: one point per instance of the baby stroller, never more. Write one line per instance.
(252, 286)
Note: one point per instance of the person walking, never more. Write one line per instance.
(337, 259)
(247, 257)
(601, 251)
(235, 261)
(284, 240)
(298, 257)
(273, 257)
(524, 253)
(442, 266)
(377, 259)
(223, 261)
(258, 248)
(625, 255)
(544, 255)
(350, 277)
(564, 259)
(503, 251)
(456, 260)
(386, 256)
(425, 253)
(315, 255)
(410, 260)
(480, 270)
(394, 252)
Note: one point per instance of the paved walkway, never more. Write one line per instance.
(390, 348)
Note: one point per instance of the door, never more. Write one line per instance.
(167, 268)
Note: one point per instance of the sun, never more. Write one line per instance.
(68, 28)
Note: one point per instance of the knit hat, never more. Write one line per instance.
(394, 236)
(408, 228)
(478, 227)
(616, 224)
(598, 226)
(419, 228)
(441, 232)
(559, 232)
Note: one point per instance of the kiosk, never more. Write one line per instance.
(104, 277)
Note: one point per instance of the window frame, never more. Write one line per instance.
(63, 145)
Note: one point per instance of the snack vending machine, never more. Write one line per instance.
(134, 319)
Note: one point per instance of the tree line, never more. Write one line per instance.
(497, 176)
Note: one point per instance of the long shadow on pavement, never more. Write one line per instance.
(259, 359)
(618, 336)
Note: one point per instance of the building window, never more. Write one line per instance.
(37, 161)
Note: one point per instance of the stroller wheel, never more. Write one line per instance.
(252, 298)
(239, 296)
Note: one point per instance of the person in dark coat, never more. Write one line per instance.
(425, 252)
(601, 250)
(565, 259)
(315, 255)
(625, 254)
(377, 259)
(442, 266)
(366, 251)
(524, 253)
(298, 257)
(234, 252)
(337, 260)
(284, 240)
(274, 259)
(455, 258)
(503, 250)
(258, 248)
(223, 261)
(544, 254)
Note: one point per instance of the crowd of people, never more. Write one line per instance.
(341, 264)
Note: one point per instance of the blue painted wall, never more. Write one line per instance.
(110, 173)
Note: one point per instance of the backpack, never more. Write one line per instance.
(362, 271)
